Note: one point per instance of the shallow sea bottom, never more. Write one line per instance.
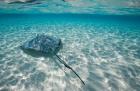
(106, 57)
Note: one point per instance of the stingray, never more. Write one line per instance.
(46, 46)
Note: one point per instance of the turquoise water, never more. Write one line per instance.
(103, 49)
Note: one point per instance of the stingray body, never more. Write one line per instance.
(42, 45)
(46, 46)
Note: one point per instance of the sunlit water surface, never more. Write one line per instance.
(103, 49)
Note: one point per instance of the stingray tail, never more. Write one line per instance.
(63, 62)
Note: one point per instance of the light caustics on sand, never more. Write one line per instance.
(105, 55)
(101, 42)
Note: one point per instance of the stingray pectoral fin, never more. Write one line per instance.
(63, 62)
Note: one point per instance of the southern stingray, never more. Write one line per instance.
(46, 45)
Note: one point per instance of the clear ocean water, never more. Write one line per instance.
(103, 49)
